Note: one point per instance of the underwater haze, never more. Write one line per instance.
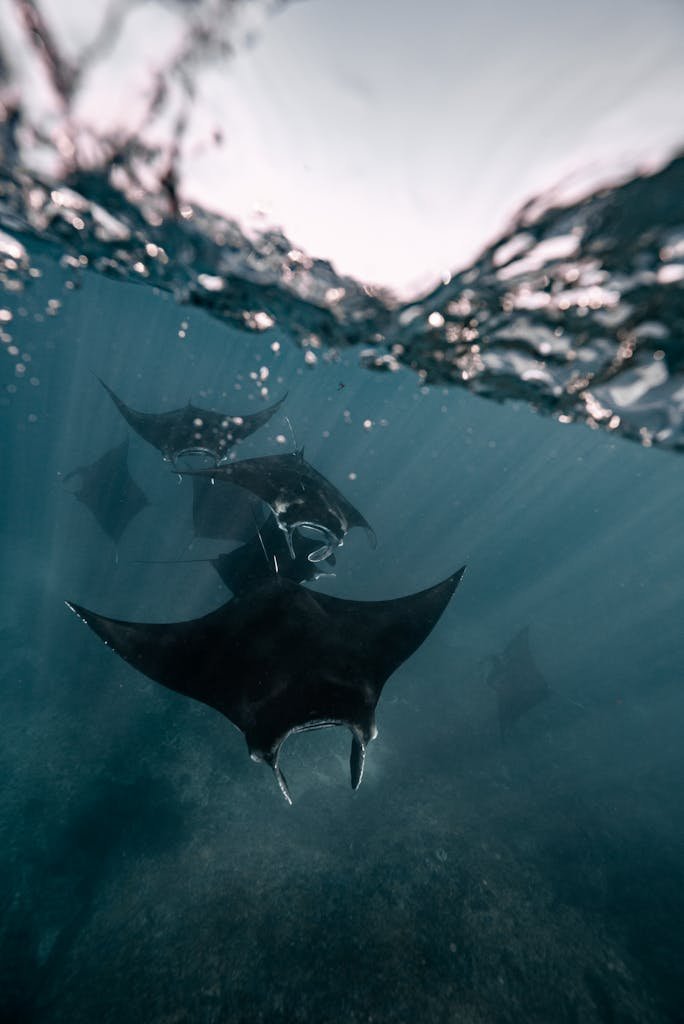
(515, 852)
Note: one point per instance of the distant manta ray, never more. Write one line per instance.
(109, 491)
(192, 430)
(516, 681)
(281, 659)
(298, 495)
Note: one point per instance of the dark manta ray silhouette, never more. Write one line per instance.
(264, 555)
(297, 494)
(267, 555)
(281, 659)
(192, 430)
(109, 491)
(516, 680)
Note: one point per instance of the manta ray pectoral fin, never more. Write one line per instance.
(356, 760)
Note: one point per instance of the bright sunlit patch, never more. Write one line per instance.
(211, 282)
(11, 247)
(671, 273)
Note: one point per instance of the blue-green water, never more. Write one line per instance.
(152, 872)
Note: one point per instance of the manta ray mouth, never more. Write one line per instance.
(197, 450)
(330, 542)
(356, 760)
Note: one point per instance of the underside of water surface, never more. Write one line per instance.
(516, 849)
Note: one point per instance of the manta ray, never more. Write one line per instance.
(297, 494)
(263, 556)
(280, 659)
(192, 430)
(109, 491)
(516, 681)
(267, 554)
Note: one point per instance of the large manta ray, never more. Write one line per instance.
(192, 430)
(109, 491)
(297, 494)
(516, 681)
(281, 659)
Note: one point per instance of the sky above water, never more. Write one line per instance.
(397, 138)
(394, 139)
